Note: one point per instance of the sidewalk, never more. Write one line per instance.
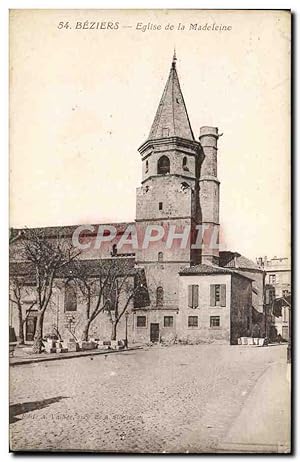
(264, 424)
(24, 357)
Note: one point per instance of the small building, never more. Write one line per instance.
(215, 305)
(277, 272)
(247, 267)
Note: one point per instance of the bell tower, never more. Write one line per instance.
(169, 193)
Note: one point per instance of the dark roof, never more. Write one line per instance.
(203, 269)
(67, 231)
(90, 266)
(230, 259)
(171, 113)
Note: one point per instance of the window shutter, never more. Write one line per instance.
(223, 294)
(195, 296)
(190, 296)
(212, 295)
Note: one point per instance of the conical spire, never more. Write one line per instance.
(171, 118)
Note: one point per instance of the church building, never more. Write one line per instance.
(191, 297)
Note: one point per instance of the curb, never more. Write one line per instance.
(72, 356)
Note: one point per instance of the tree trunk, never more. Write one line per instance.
(85, 332)
(37, 341)
(114, 330)
(21, 327)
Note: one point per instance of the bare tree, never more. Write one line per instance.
(45, 256)
(17, 289)
(105, 286)
(127, 284)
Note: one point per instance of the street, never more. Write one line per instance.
(194, 398)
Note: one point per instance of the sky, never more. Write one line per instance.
(83, 100)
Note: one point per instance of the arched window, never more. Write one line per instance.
(184, 164)
(159, 296)
(70, 296)
(163, 165)
(147, 167)
(160, 256)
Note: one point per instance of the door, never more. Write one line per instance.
(30, 328)
(154, 332)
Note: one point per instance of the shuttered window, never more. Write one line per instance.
(193, 296)
(218, 295)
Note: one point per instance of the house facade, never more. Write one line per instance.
(277, 272)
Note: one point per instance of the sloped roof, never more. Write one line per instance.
(230, 259)
(91, 268)
(203, 269)
(67, 231)
(171, 113)
(88, 267)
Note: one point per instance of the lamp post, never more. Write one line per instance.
(126, 329)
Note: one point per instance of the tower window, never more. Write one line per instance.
(163, 165)
(160, 206)
(184, 164)
(160, 256)
(165, 132)
(159, 296)
(147, 167)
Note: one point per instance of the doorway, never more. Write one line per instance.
(154, 332)
(30, 327)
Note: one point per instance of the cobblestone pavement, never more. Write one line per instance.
(164, 399)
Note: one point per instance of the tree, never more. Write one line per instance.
(45, 257)
(105, 286)
(91, 279)
(126, 285)
(17, 288)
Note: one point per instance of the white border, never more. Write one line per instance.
(5, 5)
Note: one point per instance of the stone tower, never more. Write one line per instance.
(169, 194)
(209, 195)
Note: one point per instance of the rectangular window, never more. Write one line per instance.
(218, 295)
(70, 297)
(215, 321)
(165, 132)
(193, 296)
(168, 321)
(272, 278)
(141, 321)
(160, 206)
(193, 321)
